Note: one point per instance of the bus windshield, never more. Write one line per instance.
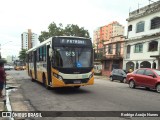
(72, 57)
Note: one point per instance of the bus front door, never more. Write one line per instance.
(35, 64)
(48, 66)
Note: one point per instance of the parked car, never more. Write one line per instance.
(118, 74)
(7, 67)
(145, 77)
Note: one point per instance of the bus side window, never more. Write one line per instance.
(29, 57)
(41, 54)
(37, 55)
(44, 53)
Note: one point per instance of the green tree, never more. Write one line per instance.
(22, 54)
(75, 30)
(69, 30)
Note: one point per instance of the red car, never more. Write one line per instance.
(145, 77)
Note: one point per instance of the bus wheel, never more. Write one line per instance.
(77, 87)
(45, 83)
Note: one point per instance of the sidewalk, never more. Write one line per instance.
(104, 77)
(1, 104)
(15, 96)
(2, 101)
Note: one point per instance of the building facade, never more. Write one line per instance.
(113, 55)
(109, 42)
(29, 39)
(24, 40)
(142, 48)
(104, 33)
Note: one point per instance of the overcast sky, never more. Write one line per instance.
(19, 15)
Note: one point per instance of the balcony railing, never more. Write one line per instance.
(100, 56)
(117, 56)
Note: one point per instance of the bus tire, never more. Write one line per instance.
(45, 82)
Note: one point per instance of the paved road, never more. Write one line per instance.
(104, 95)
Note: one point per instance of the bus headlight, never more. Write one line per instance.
(60, 78)
(57, 76)
(91, 76)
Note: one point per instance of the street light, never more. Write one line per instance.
(0, 48)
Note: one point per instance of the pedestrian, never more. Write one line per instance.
(2, 78)
(130, 70)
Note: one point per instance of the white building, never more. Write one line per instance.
(29, 40)
(34, 39)
(142, 48)
(11, 59)
(24, 38)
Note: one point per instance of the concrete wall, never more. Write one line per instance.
(147, 30)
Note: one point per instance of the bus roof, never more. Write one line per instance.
(50, 39)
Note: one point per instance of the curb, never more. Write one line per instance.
(101, 77)
(14, 98)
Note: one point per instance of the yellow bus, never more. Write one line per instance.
(19, 65)
(62, 61)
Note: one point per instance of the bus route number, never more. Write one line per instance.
(70, 53)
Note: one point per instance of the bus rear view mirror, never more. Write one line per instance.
(50, 52)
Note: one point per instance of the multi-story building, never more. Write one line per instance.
(142, 48)
(24, 40)
(113, 55)
(110, 41)
(105, 32)
(29, 39)
(96, 37)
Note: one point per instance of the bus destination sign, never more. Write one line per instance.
(73, 41)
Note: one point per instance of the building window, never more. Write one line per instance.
(118, 48)
(110, 49)
(155, 23)
(145, 64)
(153, 46)
(128, 48)
(140, 27)
(130, 28)
(138, 48)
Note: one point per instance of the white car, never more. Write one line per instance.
(7, 67)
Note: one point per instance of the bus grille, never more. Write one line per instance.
(72, 81)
